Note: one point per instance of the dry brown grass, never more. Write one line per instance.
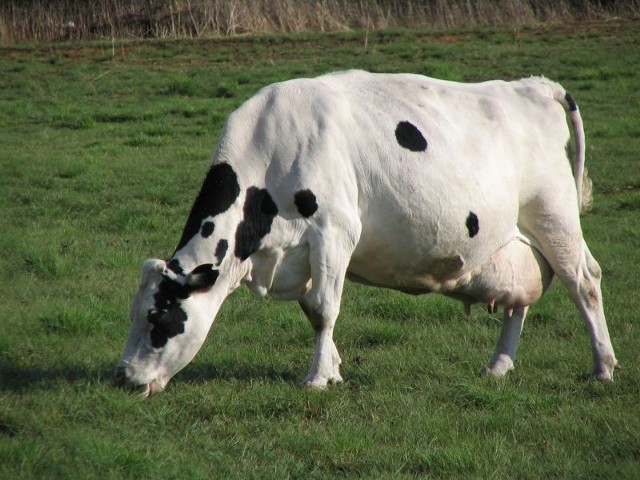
(53, 20)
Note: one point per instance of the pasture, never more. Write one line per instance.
(103, 147)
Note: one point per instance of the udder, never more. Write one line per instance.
(515, 276)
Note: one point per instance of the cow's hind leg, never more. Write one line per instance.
(562, 244)
(588, 297)
(329, 255)
(582, 277)
(505, 352)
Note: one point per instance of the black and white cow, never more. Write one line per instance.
(399, 181)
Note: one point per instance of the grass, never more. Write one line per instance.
(103, 150)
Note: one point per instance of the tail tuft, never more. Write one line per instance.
(586, 201)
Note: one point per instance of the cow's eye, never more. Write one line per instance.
(152, 316)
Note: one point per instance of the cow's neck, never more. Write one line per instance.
(190, 256)
(200, 251)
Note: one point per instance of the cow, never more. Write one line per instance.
(393, 180)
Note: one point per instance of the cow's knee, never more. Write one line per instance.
(321, 316)
(589, 292)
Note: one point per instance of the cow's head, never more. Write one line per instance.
(170, 317)
(174, 308)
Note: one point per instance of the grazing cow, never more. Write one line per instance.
(398, 181)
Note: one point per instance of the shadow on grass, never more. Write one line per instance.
(198, 373)
(18, 378)
(15, 378)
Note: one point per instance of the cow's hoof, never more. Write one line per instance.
(498, 367)
(315, 386)
(604, 369)
(604, 375)
(318, 382)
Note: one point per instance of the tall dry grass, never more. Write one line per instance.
(52, 20)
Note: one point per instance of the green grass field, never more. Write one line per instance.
(102, 150)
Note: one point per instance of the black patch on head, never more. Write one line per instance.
(305, 202)
(219, 190)
(472, 224)
(410, 137)
(573, 106)
(221, 250)
(207, 229)
(167, 317)
(259, 211)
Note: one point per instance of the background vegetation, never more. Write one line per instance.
(47, 20)
(103, 146)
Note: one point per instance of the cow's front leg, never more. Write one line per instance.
(330, 250)
(505, 353)
(325, 367)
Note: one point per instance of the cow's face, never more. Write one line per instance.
(171, 315)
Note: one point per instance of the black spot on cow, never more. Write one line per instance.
(167, 317)
(207, 229)
(219, 190)
(472, 224)
(259, 211)
(409, 137)
(221, 250)
(305, 202)
(175, 267)
(166, 324)
(573, 106)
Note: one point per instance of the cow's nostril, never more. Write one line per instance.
(120, 375)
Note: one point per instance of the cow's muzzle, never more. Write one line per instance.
(120, 376)
(122, 379)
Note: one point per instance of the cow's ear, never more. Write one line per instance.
(202, 277)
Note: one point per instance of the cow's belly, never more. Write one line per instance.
(394, 267)
(426, 275)
(514, 275)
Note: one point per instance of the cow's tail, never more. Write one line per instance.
(580, 174)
